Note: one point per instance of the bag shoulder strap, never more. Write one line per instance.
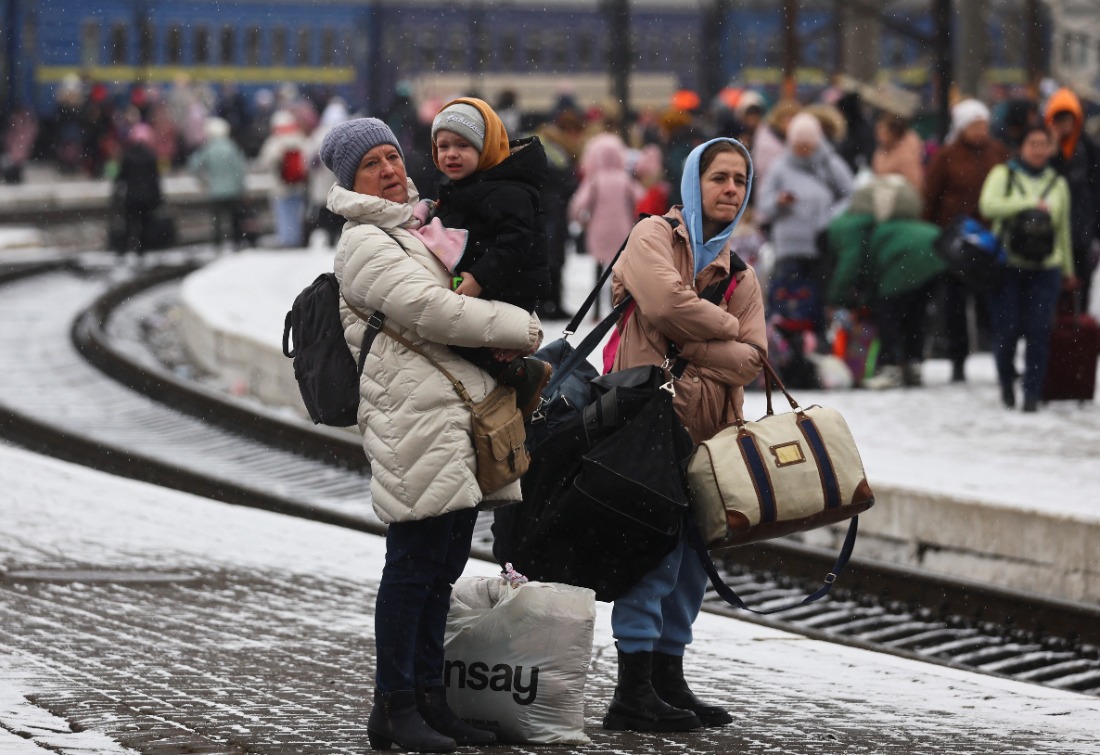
(374, 322)
(460, 389)
(578, 318)
(1012, 181)
(597, 334)
(727, 593)
(1050, 185)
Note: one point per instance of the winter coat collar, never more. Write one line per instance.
(364, 208)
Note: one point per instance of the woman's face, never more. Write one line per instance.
(884, 135)
(1035, 149)
(723, 186)
(977, 133)
(381, 173)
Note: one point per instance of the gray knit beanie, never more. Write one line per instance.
(464, 120)
(347, 142)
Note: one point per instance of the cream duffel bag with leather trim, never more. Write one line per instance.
(782, 474)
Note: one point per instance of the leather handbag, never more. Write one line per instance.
(496, 428)
(781, 474)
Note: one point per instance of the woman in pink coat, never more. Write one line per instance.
(604, 202)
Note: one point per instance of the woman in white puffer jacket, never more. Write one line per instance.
(416, 430)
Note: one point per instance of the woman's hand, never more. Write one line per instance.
(469, 286)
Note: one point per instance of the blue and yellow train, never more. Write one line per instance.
(362, 48)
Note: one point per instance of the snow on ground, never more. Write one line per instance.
(59, 515)
(953, 439)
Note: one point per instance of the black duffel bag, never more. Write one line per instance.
(605, 496)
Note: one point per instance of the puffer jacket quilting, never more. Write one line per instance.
(416, 430)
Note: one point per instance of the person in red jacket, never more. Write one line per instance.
(952, 186)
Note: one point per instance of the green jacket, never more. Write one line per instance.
(998, 206)
(222, 167)
(877, 260)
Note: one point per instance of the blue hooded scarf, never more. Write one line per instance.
(705, 252)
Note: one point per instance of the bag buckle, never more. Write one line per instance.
(375, 321)
(670, 386)
(537, 415)
(830, 578)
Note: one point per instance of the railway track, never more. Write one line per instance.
(86, 380)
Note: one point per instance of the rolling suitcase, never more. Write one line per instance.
(1074, 349)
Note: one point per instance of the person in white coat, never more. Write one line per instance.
(416, 429)
(283, 155)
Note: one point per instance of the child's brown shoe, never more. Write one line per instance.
(528, 376)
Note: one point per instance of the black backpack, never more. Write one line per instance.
(327, 375)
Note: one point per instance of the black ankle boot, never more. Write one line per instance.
(394, 720)
(636, 706)
(669, 683)
(432, 704)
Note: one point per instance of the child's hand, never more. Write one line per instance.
(422, 212)
(507, 355)
(469, 286)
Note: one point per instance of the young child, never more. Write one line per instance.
(491, 190)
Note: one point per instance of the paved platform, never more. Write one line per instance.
(135, 619)
(963, 486)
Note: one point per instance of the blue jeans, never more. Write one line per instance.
(423, 560)
(1023, 306)
(289, 212)
(656, 614)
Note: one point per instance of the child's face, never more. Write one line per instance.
(457, 158)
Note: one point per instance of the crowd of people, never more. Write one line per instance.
(841, 227)
(451, 220)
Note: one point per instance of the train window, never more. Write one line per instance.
(398, 51)
(483, 52)
(201, 51)
(457, 49)
(117, 44)
(173, 45)
(253, 46)
(89, 44)
(555, 50)
(584, 51)
(507, 56)
(228, 45)
(278, 46)
(534, 50)
(303, 51)
(426, 48)
(147, 43)
(328, 47)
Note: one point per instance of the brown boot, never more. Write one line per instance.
(528, 376)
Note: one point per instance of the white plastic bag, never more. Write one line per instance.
(517, 658)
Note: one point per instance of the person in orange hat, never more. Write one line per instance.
(1077, 158)
(686, 100)
(492, 191)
